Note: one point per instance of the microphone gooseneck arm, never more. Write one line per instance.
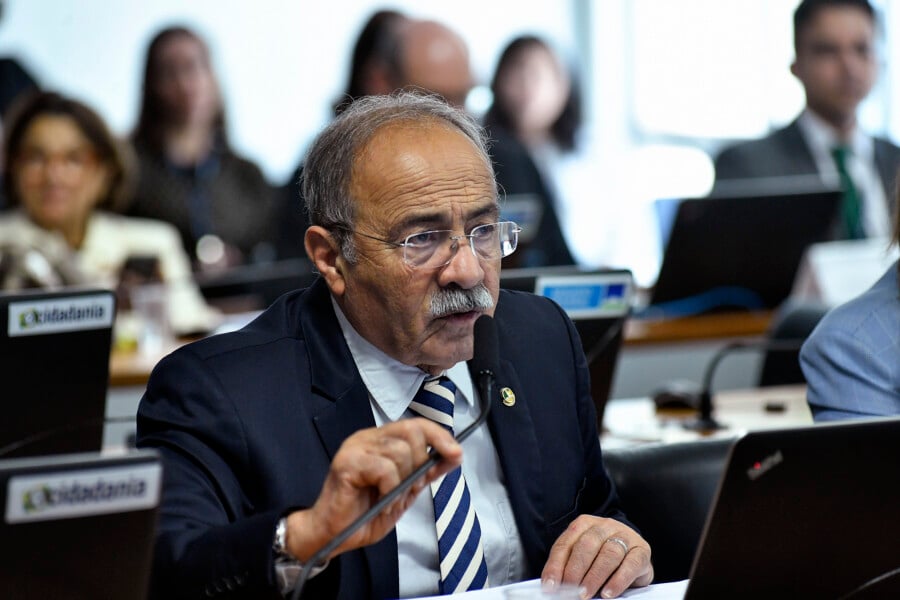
(483, 367)
(705, 420)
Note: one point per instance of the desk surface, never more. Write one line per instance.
(702, 327)
(634, 421)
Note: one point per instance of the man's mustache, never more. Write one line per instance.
(448, 301)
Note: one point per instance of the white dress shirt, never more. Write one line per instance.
(392, 386)
(821, 138)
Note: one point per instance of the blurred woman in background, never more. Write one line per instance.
(588, 211)
(533, 120)
(189, 175)
(64, 174)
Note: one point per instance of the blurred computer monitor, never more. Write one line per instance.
(79, 526)
(55, 349)
(740, 251)
(598, 302)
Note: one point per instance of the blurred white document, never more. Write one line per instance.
(834, 272)
(658, 591)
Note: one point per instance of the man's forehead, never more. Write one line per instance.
(414, 137)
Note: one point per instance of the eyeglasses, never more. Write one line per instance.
(430, 250)
(34, 162)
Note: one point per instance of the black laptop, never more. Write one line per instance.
(55, 349)
(810, 512)
(597, 301)
(79, 526)
(739, 251)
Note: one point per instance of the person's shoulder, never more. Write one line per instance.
(525, 307)
(275, 325)
(887, 146)
(136, 228)
(756, 146)
(240, 164)
(873, 315)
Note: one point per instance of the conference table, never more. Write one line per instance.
(628, 418)
(630, 421)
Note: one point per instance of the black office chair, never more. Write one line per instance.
(792, 324)
(666, 490)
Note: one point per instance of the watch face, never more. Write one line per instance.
(280, 534)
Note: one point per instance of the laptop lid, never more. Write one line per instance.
(78, 526)
(740, 251)
(55, 370)
(598, 302)
(809, 512)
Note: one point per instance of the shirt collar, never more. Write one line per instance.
(821, 135)
(392, 384)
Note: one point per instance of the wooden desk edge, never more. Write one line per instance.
(713, 326)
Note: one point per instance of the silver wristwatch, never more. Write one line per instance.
(278, 543)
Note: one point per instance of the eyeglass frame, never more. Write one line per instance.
(454, 239)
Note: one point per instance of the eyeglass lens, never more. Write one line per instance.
(430, 249)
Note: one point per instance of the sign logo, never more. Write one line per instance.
(77, 313)
(761, 467)
(53, 496)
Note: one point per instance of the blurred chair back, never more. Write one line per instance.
(792, 323)
(666, 490)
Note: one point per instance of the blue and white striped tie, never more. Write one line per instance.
(463, 566)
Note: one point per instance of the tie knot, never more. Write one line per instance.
(840, 154)
(434, 401)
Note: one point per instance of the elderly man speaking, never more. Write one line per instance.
(277, 436)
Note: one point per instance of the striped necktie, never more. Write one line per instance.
(851, 208)
(463, 566)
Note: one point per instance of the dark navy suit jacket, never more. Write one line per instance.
(248, 422)
(784, 153)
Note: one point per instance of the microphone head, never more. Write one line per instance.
(486, 356)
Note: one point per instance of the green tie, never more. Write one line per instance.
(851, 209)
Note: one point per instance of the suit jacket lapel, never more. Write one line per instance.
(342, 408)
(515, 439)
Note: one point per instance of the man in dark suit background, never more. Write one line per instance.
(834, 42)
(276, 437)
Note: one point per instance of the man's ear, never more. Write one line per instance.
(324, 252)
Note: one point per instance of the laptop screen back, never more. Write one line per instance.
(79, 526)
(741, 251)
(805, 513)
(55, 370)
(598, 302)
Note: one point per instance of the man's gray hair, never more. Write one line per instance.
(329, 163)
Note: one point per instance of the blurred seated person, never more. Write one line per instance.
(852, 359)
(371, 64)
(834, 44)
(65, 172)
(15, 81)
(189, 175)
(534, 115)
(394, 52)
(542, 158)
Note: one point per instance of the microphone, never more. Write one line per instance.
(705, 422)
(483, 367)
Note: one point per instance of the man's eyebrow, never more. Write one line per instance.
(492, 209)
(439, 219)
(419, 222)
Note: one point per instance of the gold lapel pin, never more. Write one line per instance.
(507, 396)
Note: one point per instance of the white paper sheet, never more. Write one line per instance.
(659, 591)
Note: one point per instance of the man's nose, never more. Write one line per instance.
(464, 268)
